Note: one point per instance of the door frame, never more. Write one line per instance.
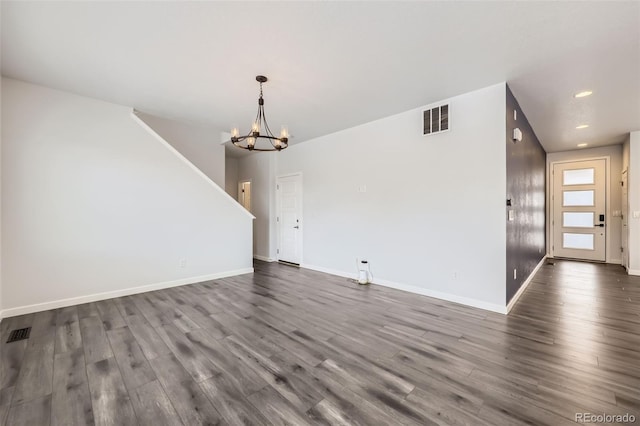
(607, 207)
(240, 182)
(624, 231)
(301, 230)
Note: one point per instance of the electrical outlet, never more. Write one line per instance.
(455, 275)
(515, 273)
(183, 263)
(636, 214)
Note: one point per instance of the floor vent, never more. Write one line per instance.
(19, 334)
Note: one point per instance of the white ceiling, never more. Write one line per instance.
(334, 65)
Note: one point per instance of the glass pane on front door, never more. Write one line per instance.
(577, 198)
(577, 241)
(578, 177)
(578, 219)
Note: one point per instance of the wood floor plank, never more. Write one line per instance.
(6, 395)
(110, 315)
(109, 397)
(298, 393)
(33, 412)
(87, 310)
(36, 373)
(150, 342)
(68, 337)
(12, 354)
(231, 402)
(11, 359)
(134, 367)
(277, 409)
(441, 411)
(292, 346)
(187, 397)
(341, 405)
(94, 340)
(193, 360)
(126, 307)
(71, 400)
(245, 379)
(153, 407)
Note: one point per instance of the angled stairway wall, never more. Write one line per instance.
(198, 144)
(96, 205)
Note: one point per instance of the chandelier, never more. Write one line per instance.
(260, 131)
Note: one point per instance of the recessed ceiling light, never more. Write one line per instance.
(582, 145)
(582, 126)
(583, 94)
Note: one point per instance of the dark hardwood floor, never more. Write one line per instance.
(293, 346)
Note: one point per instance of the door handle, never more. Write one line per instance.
(296, 227)
(601, 225)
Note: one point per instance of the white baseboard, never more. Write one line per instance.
(418, 290)
(62, 303)
(633, 271)
(263, 258)
(524, 285)
(329, 271)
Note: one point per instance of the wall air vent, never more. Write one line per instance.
(435, 120)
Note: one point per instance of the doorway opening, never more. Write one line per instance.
(244, 194)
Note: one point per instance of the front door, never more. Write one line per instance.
(579, 210)
(289, 218)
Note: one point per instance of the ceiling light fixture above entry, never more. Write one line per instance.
(582, 145)
(583, 94)
(260, 131)
(582, 126)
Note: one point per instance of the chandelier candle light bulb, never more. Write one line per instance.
(260, 131)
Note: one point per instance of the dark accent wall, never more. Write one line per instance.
(526, 174)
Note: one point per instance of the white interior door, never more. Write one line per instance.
(289, 218)
(579, 210)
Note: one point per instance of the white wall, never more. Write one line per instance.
(614, 228)
(259, 167)
(199, 144)
(432, 217)
(95, 205)
(634, 202)
(231, 177)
